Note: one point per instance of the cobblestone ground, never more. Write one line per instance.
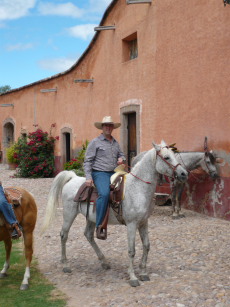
(188, 262)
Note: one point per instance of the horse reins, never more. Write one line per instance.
(189, 171)
(158, 154)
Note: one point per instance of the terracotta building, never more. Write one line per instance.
(161, 68)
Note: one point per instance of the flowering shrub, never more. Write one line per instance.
(76, 164)
(36, 156)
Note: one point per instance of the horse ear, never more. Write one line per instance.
(206, 144)
(163, 144)
(157, 147)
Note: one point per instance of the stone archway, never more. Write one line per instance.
(8, 136)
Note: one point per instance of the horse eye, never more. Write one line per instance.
(166, 158)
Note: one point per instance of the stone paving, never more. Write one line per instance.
(188, 261)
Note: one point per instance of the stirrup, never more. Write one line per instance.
(17, 233)
(101, 233)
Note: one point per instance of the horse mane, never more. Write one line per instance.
(208, 153)
(151, 151)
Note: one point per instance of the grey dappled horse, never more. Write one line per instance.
(190, 161)
(136, 207)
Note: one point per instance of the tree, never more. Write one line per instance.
(4, 89)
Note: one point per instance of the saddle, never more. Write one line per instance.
(89, 194)
(13, 196)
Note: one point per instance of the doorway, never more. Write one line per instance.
(67, 146)
(8, 137)
(130, 131)
(132, 136)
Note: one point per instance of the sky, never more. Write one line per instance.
(40, 38)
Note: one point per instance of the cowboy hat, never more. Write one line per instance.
(106, 120)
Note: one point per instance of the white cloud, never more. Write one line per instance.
(99, 5)
(65, 9)
(85, 31)
(15, 9)
(19, 47)
(57, 65)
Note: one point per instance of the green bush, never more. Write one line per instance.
(11, 153)
(76, 164)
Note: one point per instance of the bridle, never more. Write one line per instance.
(169, 164)
(190, 171)
(173, 167)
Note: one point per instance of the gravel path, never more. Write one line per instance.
(188, 262)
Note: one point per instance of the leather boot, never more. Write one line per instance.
(101, 233)
(17, 231)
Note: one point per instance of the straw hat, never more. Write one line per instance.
(106, 120)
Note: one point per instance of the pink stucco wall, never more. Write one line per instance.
(180, 80)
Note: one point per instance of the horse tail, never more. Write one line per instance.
(54, 196)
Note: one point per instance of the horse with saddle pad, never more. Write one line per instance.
(140, 186)
(25, 210)
(190, 160)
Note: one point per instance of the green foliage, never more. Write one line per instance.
(36, 156)
(40, 292)
(4, 89)
(11, 153)
(76, 164)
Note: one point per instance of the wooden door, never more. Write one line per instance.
(132, 136)
(67, 146)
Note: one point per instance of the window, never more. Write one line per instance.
(130, 47)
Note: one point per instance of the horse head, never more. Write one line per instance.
(209, 161)
(167, 164)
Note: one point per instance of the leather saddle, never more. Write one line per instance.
(13, 196)
(89, 195)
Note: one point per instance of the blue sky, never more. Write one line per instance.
(40, 38)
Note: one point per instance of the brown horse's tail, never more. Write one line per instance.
(54, 196)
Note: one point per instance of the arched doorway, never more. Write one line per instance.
(66, 145)
(130, 132)
(8, 136)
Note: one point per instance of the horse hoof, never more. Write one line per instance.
(144, 278)
(106, 266)
(181, 216)
(3, 275)
(24, 287)
(67, 270)
(134, 283)
(175, 217)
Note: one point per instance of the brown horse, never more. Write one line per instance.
(26, 214)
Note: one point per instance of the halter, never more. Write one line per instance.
(189, 171)
(169, 164)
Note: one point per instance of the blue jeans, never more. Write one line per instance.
(102, 183)
(6, 208)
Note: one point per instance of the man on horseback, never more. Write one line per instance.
(9, 215)
(102, 156)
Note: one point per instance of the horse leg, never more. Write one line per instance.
(131, 231)
(143, 231)
(89, 234)
(68, 218)
(8, 247)
(28, 243)
(181, 189)
(175, 206)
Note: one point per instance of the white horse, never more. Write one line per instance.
(136, 207)
(190, 160)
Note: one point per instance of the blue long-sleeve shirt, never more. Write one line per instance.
(102, 155)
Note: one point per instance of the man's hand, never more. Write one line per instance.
(120, 161)
(89, 182)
